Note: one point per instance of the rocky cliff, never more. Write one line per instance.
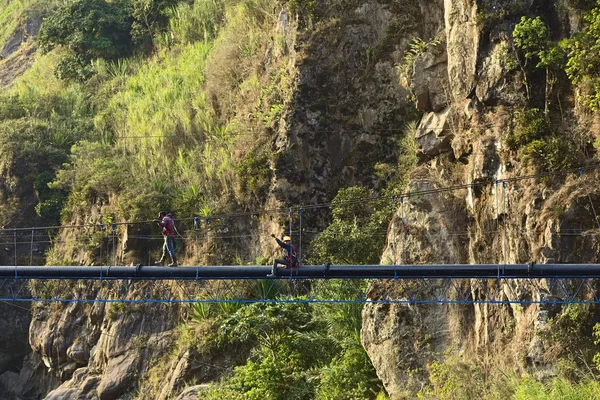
(465, 141)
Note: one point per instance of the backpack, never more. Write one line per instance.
(293, 257)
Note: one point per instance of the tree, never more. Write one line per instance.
(357, 233)
(149, 17)
(583, 65)
(532, 37)
(89, 29)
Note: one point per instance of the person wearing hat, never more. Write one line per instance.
(167, 223)
(290, 258)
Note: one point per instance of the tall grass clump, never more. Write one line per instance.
(197, 22)
(239, 47)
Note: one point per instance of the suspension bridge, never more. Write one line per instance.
(414, 284)
(497, 283)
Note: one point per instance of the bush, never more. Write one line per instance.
(531, 125)
(350, 376)
(291, 344)
(355, 236)
(93, 172)
(49, 201)
(254, 174)
(90, 29)
(551, 153)
(149, 18)
(583, 64)
(10, 107)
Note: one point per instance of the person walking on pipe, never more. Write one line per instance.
(290, 258)
(167, 223)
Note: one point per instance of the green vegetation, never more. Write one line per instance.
(532, 37)
(90, 30)
(576, 56)
(583, 65)
(416, 48)
(457, 381)
(299, 354)
(357, 233)
(163, 128)
(539, 136)
(536, 141)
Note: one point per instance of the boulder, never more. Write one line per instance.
(117, 376)
(434, 135)
(192, 393)
(12, 44)
(62, 394)
(462, 38)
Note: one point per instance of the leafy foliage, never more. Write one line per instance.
(92, 174)
(355, 234)
(255, 174)
(89, 29)
(531, 126)
(350, 376)
(149, 18)
(289, 346)
(532, 36)
(417, 47)
(535, 141)
(299, 355)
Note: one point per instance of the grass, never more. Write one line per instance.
(179, 117)
(467, 381)
(12, 13)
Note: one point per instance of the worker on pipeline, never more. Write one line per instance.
(167, 223)
(290, 258)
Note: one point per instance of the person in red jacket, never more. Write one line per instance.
(290, 258)
(166, 222)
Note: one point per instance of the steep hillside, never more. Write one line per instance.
(121, 109)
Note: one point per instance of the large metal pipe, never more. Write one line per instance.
(307, 271)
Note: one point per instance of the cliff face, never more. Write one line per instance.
(512, 222)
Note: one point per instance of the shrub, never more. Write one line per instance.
(49, 201)
(531, 125)
(583, 58)
(149, 18)
(10, 107)
(254, 174)
(355, 234)
(350, 376)
(551, 153)
(93, 172)
(90, 29)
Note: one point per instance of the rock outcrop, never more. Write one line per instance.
(100, 351)
(17, 54)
